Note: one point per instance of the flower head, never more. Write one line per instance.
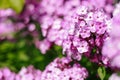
(62, 69)
(87, 31)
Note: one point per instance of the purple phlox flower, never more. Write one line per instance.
(62, 69)
(86, 31)
(114, 76)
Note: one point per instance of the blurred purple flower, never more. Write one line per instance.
(43, 45)
(25, 73)
(6, 25)
(111, 49)
(114, 76)
(6, 74)
(28, 73)
(6, 13)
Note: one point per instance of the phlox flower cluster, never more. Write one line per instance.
(55, 15)
(56, 70)
(52, 15)
(62, 69)
(28, 73)
(86, 33)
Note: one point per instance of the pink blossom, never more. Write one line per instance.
(61, 69)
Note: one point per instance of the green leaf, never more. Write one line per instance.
(4, 4)
(23, 56)
(102, 72)
(17, 5)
